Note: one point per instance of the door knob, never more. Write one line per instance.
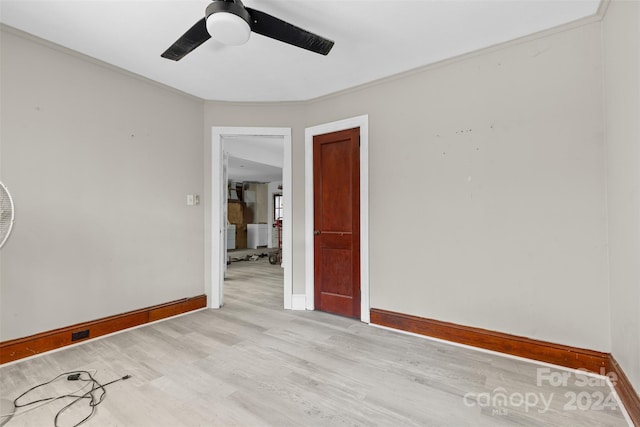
(316, 232)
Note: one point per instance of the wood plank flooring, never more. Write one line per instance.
(253, 364)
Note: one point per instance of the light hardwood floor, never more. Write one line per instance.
(253, 364)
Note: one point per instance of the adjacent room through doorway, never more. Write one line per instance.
(250, 210)
(254, 211)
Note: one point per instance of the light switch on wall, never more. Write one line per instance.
(193, 199)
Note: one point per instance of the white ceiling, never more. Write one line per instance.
(373, 39)
(243, 170)
(254, 158)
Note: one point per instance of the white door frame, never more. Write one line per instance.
(363, 123)
(218, 223)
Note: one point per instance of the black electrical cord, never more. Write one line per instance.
(96, 394)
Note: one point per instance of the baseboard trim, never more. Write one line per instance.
(629, 397)
(570, 357)
(557, 354)
(298, 302)
(20, 348)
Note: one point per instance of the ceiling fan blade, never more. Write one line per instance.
(270, 26)
(190, 40)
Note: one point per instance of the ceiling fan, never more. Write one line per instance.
(230, 22)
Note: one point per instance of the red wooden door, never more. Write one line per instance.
(336, 188)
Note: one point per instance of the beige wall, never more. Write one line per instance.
(99, 164)
(622, 114)
(487, 189)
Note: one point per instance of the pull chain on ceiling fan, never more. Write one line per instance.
(230, 22)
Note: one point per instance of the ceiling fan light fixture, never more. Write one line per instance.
(228, 22)
(228, 28)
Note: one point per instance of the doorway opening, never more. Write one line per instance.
(361, 122)
(235, 147)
